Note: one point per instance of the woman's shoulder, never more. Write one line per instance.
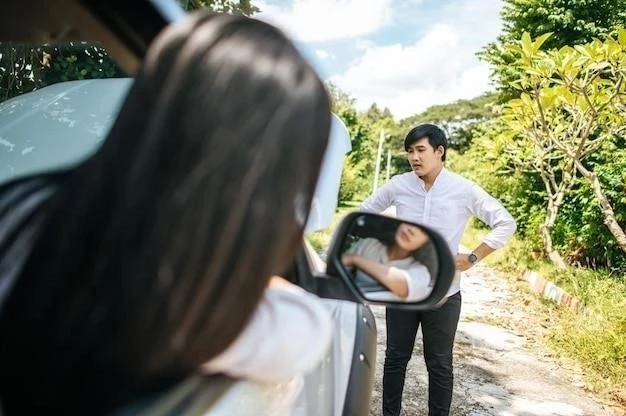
(367, 245)
(288, 334)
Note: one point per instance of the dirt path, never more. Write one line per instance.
(498, 371)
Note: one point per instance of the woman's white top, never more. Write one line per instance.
(289, 334)
(418, 279)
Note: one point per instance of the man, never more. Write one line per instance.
(444, 201)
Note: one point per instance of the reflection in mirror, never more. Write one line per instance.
(390, 260)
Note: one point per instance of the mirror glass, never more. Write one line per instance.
(389, 259)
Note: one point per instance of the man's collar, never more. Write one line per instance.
(443, 172)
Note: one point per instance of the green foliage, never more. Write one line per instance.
(228, 6)
(571, 22)
(458, 119)
(580, 233)
(568, 121)
(24, 69)
(489, 163)
(581, 230)
(320, 240)
(358, 169)
(339, 98)
(364, 127)
(596, 337)
(354, 186)
(478, 108)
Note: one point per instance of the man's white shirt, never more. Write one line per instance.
(446, 207)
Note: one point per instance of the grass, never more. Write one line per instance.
(595, 337)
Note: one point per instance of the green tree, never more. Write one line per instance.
(458, 119)
(569, 116)
(571, 22)
(355, 172)
(364, 127)
(374, 115)
(382, 122)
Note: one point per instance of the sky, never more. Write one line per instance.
(402, 54)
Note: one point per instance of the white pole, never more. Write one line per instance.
(388, 165)
(381, 139)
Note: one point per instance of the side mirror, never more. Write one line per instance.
(387, 261)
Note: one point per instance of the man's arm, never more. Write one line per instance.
(380, 200)
(490, 211)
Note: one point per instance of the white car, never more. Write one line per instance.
(63, 123)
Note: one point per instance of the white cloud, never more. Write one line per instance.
(439, 68)
(322, 20)
(323, 54)
(363, 44)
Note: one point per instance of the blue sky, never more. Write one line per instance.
(402, 54)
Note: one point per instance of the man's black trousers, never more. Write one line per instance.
(438, 330)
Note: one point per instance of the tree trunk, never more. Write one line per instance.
(605, 205)
(546, 233)
(555, 194)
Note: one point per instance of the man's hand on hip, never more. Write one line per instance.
(462, 262)
(465, 261)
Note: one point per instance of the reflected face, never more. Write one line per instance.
(410, 238)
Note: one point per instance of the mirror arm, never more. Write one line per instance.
(330, 287)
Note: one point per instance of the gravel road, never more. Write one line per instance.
(499, 369)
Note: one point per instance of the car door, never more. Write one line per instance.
(342, 384)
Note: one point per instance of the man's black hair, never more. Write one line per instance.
(436, 137)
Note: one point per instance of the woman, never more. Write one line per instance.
(395, 265)
(122, 276)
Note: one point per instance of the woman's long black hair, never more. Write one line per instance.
(155, 251)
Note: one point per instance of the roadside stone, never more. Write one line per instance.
(550, 291)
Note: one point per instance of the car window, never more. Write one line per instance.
(57, 103)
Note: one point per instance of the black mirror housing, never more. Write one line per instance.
(366, 246)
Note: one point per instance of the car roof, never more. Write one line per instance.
(56, 126)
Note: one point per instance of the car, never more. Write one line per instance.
(63, 123)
